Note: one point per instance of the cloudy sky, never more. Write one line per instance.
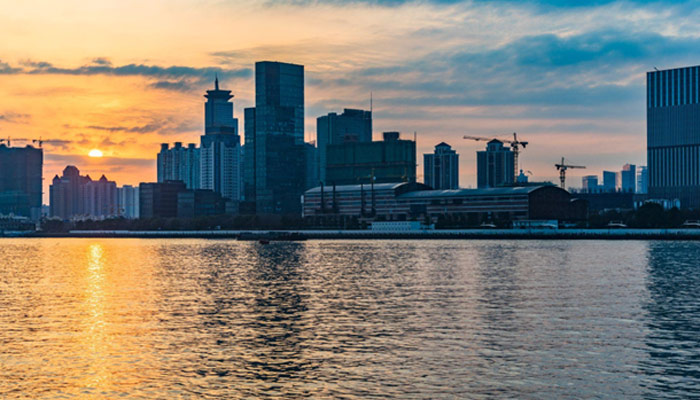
(123, 76)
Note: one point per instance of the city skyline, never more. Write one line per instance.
(571, 80)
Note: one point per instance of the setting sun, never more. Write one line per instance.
(95, 153)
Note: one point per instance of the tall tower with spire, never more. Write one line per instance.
(220, 153)
(218, 111)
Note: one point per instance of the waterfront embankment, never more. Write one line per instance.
(623, 234)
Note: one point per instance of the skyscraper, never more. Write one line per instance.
(495, 165)
(275, 151)
(441, 169)
(642, 180)
(350, 126)
(20, 181)
(609, 181)
(590, 184)
(673, 135)
(220, 151)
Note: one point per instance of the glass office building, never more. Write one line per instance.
(673, 135)
(274, 139)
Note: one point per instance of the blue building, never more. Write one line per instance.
(21, 181)
(673, 135)
(441, 169)
(495, 166)
(275, 171)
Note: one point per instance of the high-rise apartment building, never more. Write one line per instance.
(128, 201)
(73, 196)
(673, 135)
(590, 184)
(20, 181)
(274, 140)
(350, 126)
(179, 164)
(220, 150)
(495, 165)
(609, 181)
(441, 169)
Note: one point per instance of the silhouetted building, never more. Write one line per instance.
(73, 196)
(390, 160)
(179, 164)
(312, 170)
(159, 199)
(495, 165)
(274, 140)
(199, 203)
(673, 135)
(220, 152)
(128, 201)
(20, 181)
(350, 126)
(441, 169)
(608, 200)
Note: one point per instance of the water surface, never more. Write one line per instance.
(151, 318)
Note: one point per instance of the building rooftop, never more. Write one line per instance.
(350, 188)
(498, 191)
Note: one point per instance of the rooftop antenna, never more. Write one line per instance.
(216, 81)
(370, 101)
(656, 69)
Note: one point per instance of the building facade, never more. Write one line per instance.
(220, 149)
(642, 180)
(590, 184)
(495, 165)
(350, 126)
(390, 160)
(441, 169)
(673, 135)
(21, 181)
(179, 164)
(275, 172)
(628, 178)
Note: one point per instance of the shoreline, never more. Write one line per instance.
(298, 235)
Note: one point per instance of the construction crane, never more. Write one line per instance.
(514, 144)
(562, 171)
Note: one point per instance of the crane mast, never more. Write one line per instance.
(515, 144)
(562, 167)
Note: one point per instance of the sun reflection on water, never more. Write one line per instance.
(95, 332)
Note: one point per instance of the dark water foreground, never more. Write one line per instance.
(188, 318)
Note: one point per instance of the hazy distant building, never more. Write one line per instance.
(673, 135)
(390, 160)
(159, 199)
(73, 196)
(179, 164)
(275, 172)
(350, 126)
(21, 181)
(441, 169)
(590, 184)
(609, 181)
(628, 178)
(128, 201)
(220, 150)
(642, 180)
(495, 165)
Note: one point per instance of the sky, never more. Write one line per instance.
(124, 76)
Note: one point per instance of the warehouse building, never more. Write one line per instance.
(402, 201)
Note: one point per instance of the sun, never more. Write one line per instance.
(95, 153)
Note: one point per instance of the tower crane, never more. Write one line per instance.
(514, 144)
(562, 171)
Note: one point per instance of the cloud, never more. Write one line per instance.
(16, 118)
